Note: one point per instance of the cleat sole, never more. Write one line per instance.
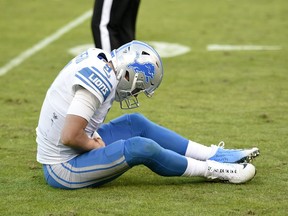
(249, 158)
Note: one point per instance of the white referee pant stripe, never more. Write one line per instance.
(105, 18)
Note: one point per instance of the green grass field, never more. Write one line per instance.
(240, 97)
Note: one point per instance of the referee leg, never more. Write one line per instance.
(114, 23)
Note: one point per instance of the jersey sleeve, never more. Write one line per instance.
(84, 104)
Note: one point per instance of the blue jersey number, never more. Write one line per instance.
(107, 70)
(81, 57)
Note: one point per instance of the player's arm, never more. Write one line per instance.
(80, 112)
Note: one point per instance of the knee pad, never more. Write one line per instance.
(139, 150)
(140, 125)
(138, 119)
(127, 119)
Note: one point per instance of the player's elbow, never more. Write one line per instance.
(66, 138)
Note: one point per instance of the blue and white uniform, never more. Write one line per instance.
(130, 139)
(92, 73)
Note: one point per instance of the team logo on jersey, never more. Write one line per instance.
(94, 79)
(147, 68)
(98, 83)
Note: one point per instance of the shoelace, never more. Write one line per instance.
(221, 144)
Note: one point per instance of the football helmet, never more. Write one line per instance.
(139, 69)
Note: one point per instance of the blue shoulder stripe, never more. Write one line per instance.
(93, 80)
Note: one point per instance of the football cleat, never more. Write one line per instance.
(234, 155)
(229, 172)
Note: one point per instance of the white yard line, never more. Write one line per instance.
(162, 46)
(43, 43)
(218, 47)
(165, 49)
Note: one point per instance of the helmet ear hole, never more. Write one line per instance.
(127, 77)
(145, 53)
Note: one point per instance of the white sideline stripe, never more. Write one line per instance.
(217, 47)
(43, 43)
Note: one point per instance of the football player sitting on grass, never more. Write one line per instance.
(77, 149)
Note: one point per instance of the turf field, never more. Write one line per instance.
(239, 96)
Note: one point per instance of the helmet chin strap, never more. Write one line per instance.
(134, 82)
(149, 95)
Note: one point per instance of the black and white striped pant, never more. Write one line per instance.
(114, 23)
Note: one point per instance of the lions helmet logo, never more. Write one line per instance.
(148, 69)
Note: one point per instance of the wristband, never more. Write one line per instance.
(95, 135)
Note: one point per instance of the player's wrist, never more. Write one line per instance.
(95, 135)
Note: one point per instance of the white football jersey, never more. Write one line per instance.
(89, 71)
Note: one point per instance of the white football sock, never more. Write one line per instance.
(195, 168)
(199, 151)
